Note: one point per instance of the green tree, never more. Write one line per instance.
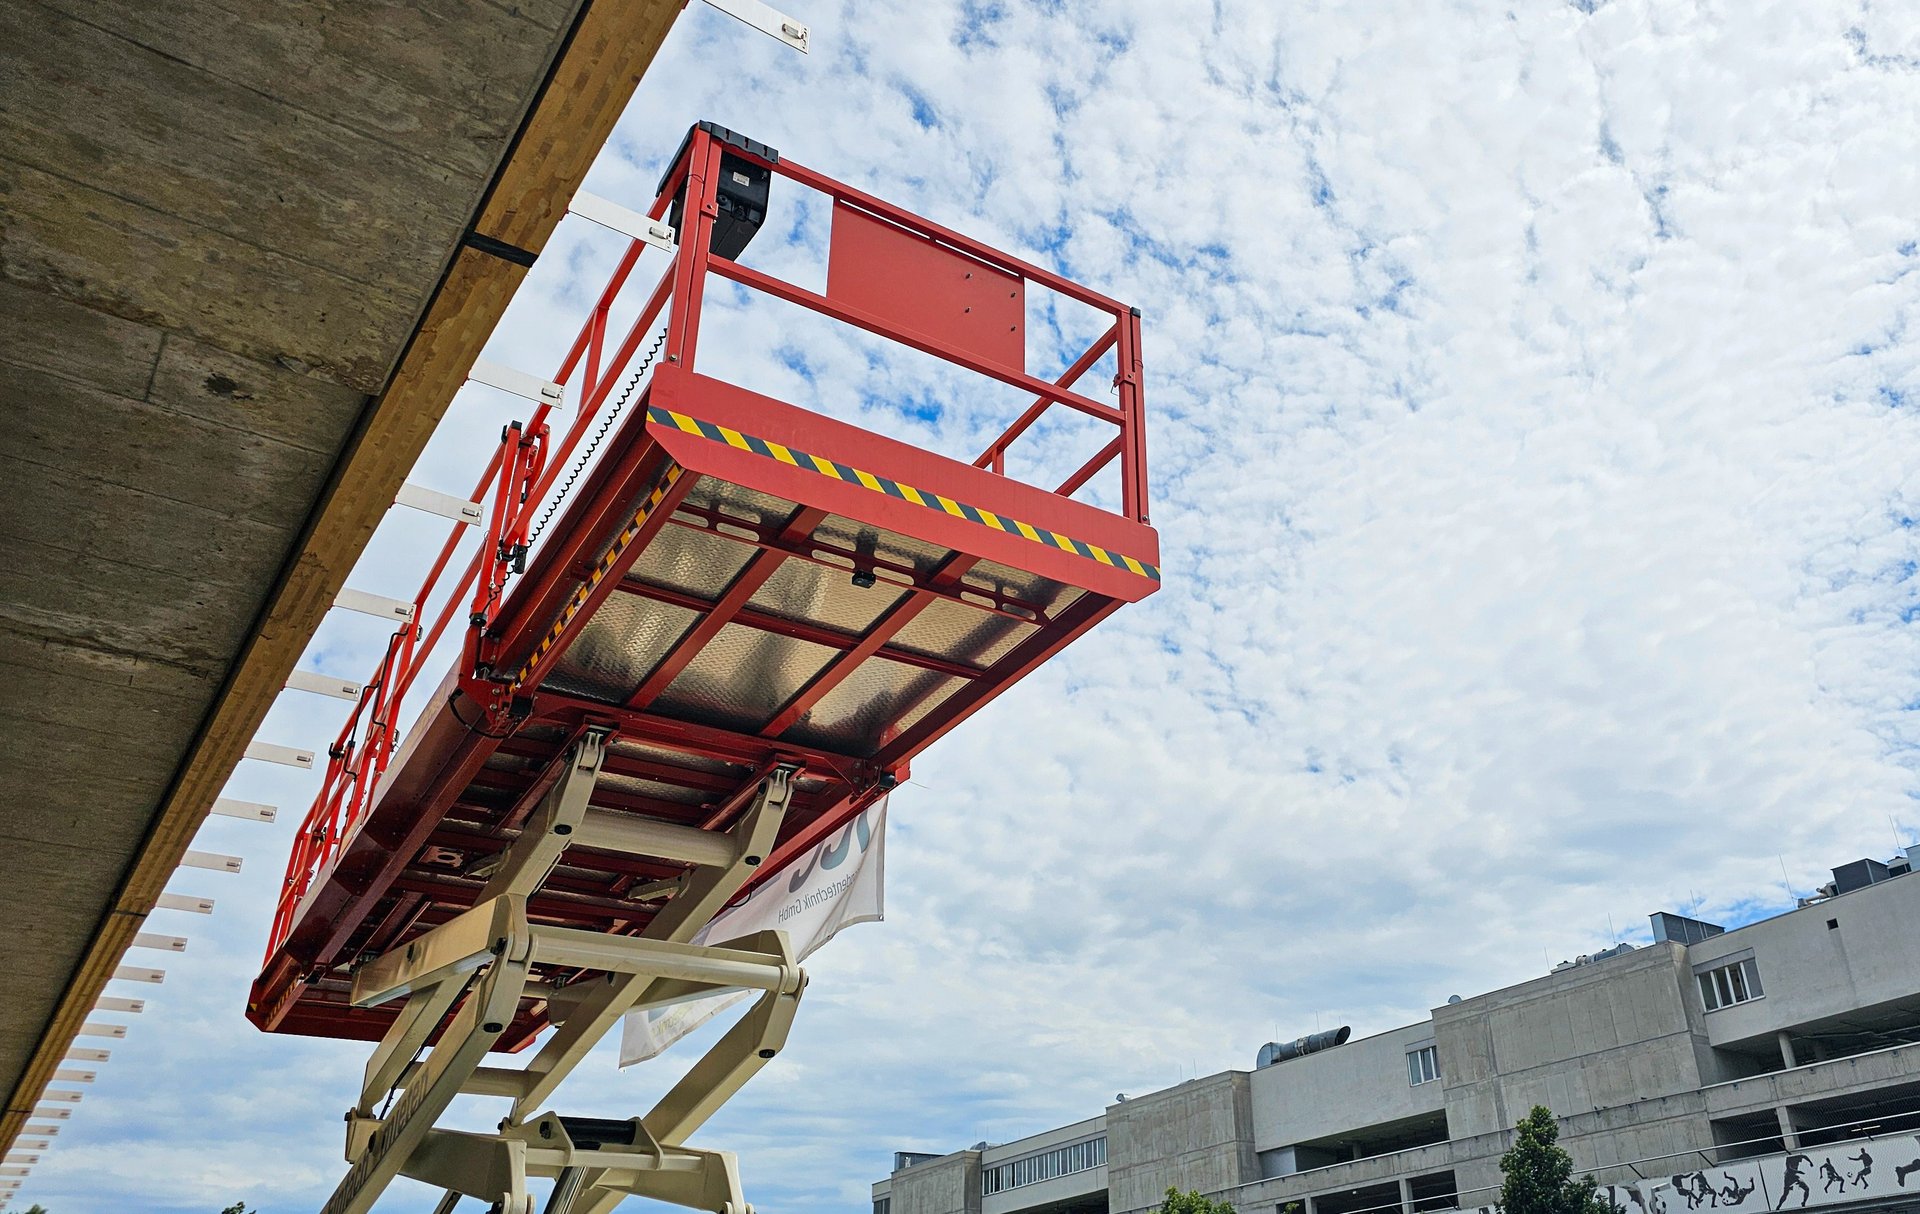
(1191, 1202)
(1539, 1175)
(238, 1207)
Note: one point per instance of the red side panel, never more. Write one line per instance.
(1081, 545)
(925, 286)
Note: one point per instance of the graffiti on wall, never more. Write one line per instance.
(1797, 1180)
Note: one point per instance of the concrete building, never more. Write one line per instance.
(1772, 1066)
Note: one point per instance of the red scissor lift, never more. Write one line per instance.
(736, 632)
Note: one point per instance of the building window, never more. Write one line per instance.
(1423, 1065)
(881, 1205)
(1061, 1161)
(1730, 984)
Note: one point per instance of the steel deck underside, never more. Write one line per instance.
(727, 634)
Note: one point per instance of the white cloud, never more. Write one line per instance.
(1532, 415)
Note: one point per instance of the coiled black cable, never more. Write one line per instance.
(613, 415)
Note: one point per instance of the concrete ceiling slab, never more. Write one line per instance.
(234, 278)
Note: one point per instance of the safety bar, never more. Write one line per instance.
(1123, 336)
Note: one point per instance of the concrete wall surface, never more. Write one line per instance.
(1838, 1077)
(1810, 971)
(1047, 1193)
(223, 220)
(1349, 1087)
(1589, 1037)
(1083, 1183)
(1046, 1140)
(950, 1185)
(1345, 1177)
(1198, 1135)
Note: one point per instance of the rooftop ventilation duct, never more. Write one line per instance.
(1281, 1051)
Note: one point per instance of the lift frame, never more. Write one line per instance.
(538, 852)
(481, 963)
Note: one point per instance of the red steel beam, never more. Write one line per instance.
(799, 630)
(485, 817)
(809, 551)
(878, 634)
(926, 227)
(997, 450)
(721, 612)
(596, 592)
(926, 345)
(633, 767)
(707, 741)
(1133, 462)
(1072, 484)
(1082, 614)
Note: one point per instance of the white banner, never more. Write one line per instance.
(835, 885)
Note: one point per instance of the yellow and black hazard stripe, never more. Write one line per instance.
(903, 492)
(600, 570)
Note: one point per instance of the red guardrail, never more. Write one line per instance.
(526, 465)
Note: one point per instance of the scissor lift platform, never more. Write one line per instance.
(739, 595)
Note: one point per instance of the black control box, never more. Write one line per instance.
(741, 194)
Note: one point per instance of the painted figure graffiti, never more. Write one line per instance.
(1792, 1180)
(1866, 1167)
(1903, 1170)
(1830, 1178)
(1697, 1190)
(1733, 1194)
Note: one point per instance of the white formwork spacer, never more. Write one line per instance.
(286, 756)
(87, 1053)
(246, 811)
(324, 685)
(377, 605)
(69, 1076)
(61, 1096)
(139, 973)
(99, 1028)
(45, 1131)
(110, 1003)
(160, 943)
(516, 383)
(446, 505)
(185, 902)
(212, 861)
(624, 220)
(767, 19)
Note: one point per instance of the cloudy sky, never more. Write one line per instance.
(1533, 409)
